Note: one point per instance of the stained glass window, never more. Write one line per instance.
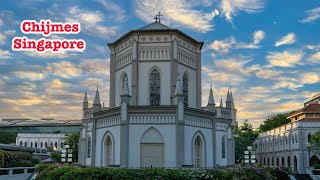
(89, 147)
(223, 146)
(185, 89)
(155, 88)
(108, 145)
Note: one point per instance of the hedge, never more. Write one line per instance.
(15, 159)
(51, 172)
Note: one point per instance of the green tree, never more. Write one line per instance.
(315, 140)
(72, 139)
(7, 137)
(245, 136)
(274, 121)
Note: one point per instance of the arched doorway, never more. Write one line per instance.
(288, 161)
(282, 162)
(152, 149)
(314, 160)
(268, 162)
(277, 161)
(198, 154)
(295, 161)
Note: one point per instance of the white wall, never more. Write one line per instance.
(88, 160)
(192, 97)
(189, 133)
(118, 83)
(115, 132)
(38, 138)
(219, 160)
(167, 131)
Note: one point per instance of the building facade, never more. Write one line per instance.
(41, 140)
(155, 116)
(44, 133)
(289, 145)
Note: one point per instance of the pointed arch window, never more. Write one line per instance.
(89, 147)
(198, 152)
(108, 147)
(185, 85)
(124, 84)
(223, 146)
(155, 88)
(309, 138)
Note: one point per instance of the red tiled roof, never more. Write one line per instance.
(308, 108)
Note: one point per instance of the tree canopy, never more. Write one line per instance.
(245, 136)
(315, 140)
(7, 137)
(72, 139)
(274, 121)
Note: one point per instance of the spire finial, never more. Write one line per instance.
(211, 99)
(158, 17)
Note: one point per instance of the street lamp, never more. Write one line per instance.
(309, 145)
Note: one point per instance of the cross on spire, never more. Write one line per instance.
(158, 17)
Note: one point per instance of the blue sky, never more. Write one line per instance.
(268, 52)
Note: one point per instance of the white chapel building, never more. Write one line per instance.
(155, 117)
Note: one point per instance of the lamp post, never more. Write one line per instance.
(309, 145)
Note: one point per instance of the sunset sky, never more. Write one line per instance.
(268, 52)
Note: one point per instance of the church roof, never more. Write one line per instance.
(307, 109)
(155, 25)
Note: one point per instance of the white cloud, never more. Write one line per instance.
(47, 54)
(267, 73)
(64, 69)
(91, 22)
(223, 45)
(229, 43)
(258, 36)
(315, 57)
(3, 37)
(298, 81)
(287, 39)
(1, 22)
(284, 59)
(9, 32)
(231, 7)
(30, 75)
(285, 84)
(178, 12)
(117, 13)
(88, 18)
(310, 78)
(103, 31)
(5, 54)
(312, 15)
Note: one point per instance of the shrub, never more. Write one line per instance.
(15, 159)
(56, 157)
(80, 173)
(317, 166)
